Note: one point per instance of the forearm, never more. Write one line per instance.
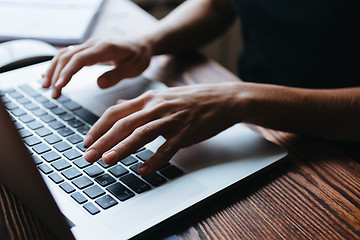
(189, 26)
(329, 114)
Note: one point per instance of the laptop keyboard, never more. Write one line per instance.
(53, 131)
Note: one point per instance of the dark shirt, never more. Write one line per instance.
(300, 43)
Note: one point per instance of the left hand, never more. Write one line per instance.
(182, 115)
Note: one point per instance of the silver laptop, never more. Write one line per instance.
(66, 21)
(41, 160)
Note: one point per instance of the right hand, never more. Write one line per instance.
(129, 59)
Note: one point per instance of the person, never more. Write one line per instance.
(299, 63)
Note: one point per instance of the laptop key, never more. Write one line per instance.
(26, 118)
(49, 105)
(106, 202)
(56, 125)
(18, 112)
(61, 164)
(75, 123)
(31, 106)
(71, 173)
(37, 160)
(32, 141)
(81, 163)
(140, 149)
(50, 156)
(67, 187)
(71, 105)
(47, 118)
(29, 90)
(34, 125)
(63, 99)
(74, 139)
(11, 106)
(41, 99)
(81, 147)
(78, 197)
(82, 182)
(45, 168)
(24, 133)
(94, 192)
(171, 172)
(56, 178)
(93, 171)
(15, 94)
(145, 155)
(51, 139)
(120, 192)
(136, 184)
(83, 129)
(42, 132)
(67, 117)
(41, 148)
(105, 180)
(72, 154)
(118, 171)
(65, 131)
(39, 112)
(128, 160)
(86, 115)
(62, 146)
(5, 99)
(154, 179)
(58, 110)
(18, 125)
(91, 208)
(135, 167)
(101, 163)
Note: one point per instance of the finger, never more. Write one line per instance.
(110, 78)
(118, 132)
(50, 71)
(138, 138)
(163, 155)
(119, 101)
(62, 60)
(75, 63)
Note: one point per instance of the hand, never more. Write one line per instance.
(129, 58)
(182, 115)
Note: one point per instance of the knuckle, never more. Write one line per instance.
(110, 113)
(125, 123)
(144, 130)
(102, 142)
(79, 58)
(150, 94)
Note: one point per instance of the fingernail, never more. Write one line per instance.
(58, 82)
(90, 155)
(54, 94)
(143, 170)
(88, 140)
(110, 157)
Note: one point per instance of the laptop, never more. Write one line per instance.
(66, 21)
(42, 160)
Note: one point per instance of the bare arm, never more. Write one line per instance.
(191, 25)
(329, 114)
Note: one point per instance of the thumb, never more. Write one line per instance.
(110, 78)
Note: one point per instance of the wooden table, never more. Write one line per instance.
(313, 194)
